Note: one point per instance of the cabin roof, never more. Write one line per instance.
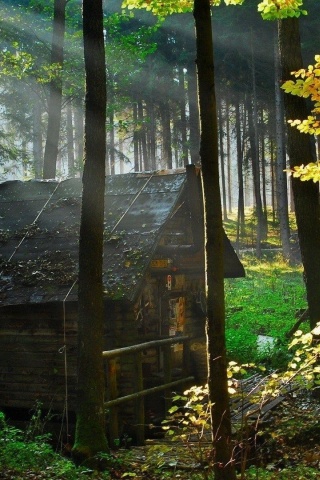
(39, 228)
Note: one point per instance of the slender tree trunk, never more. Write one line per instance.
(151, 134)
(37, 137)
(302, 150)
(241, 224)
(135, 137)
(183, 117)
(78, 128)
(281, 178)
(143, 137)
(256, 178)
(222, 164)
(215, 322)
(263, 168)
(272, 176)
(121, 159)
(194, 135)
(90, 426)
(70, 140)
(229, 177)
(166, 134)
(111, 147)
(55, 95)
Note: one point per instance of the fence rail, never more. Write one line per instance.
(113, 401)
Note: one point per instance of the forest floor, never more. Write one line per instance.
(286, 447)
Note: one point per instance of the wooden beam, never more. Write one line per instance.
(159, 388)
(143, 346)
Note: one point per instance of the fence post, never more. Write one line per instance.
(112, 393)
(167, 372)
(139, 403)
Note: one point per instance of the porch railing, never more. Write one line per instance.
(140, 392)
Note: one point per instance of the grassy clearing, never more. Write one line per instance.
(265, 302)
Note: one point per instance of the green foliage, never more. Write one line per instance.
(277, 9)
(269, 9)
(25, 451)
(311, 171)
(265, 302)
(297, 473)
(162, 9)
(307, 85)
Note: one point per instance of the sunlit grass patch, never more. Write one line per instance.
(265, 302)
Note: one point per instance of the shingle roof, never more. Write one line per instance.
(39, 230)
(39, 225)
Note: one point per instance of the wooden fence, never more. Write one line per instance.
(113, 401)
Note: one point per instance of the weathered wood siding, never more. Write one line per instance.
(32, 356)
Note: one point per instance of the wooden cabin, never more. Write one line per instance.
(153, 280)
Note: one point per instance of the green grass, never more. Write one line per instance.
(265, 302)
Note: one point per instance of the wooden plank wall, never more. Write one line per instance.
(32, 359)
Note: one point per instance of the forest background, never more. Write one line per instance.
(152, 115)
(151, 93)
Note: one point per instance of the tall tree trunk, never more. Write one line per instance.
(222, 165)
(78, 129)
(215, 322)
(135, 137)
(183, 118)
(256, 177)
(263, 167)
(194, 135)
(143, 137)
(70, 140)
(37, 137)
(151, 134)
(280, 175)
(121, 159)
(272, 176)
(111, 146)
(229, 157)
(240, 223)
(55, 94)
(302, 150)
(90, 426)
(166, 134)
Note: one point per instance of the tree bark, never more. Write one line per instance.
(229, 176)
(78, 128)
(215, 322)
(151, 134)
(37, 137)
(70, 141)
(135, 137)
(194, 134)
(256, 177)
(90, 426)
(281, 178)
(222, 163)
(183, 119)
(166, 134)
(302, 150)
(240, 222)
(55, 95)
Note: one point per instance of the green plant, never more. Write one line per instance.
(189, 422)
(19, 454)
